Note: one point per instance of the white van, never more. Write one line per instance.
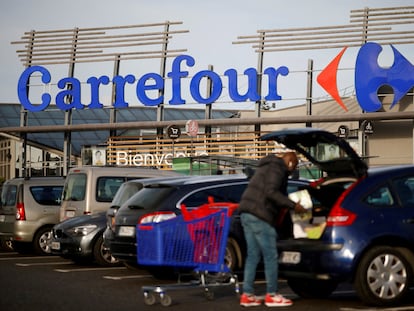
(90, 189)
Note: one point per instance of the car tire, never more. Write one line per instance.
(102, 254)
(230, 257)
(312, 289)
(384, 275)
(6, 245)
(41, 241)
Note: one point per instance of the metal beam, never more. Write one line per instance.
(212, 122)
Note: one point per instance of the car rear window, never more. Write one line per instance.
(149, 198)
(224, 193)
(47, 195)
(9, 195)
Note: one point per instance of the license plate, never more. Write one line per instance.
(70, 214)
(2, 218)
(290, 257)
(126, 231)
(55, 245)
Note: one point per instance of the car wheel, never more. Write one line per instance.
(102, 254)
(383, 275)
(230, 255)
(41, 241)
(308, 288)
(6, 245)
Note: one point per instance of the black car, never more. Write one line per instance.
(162, 200)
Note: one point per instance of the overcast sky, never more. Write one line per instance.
(213, 25)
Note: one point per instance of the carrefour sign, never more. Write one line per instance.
(148, 83)
(369, 77)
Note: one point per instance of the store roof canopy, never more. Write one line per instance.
(10, 117)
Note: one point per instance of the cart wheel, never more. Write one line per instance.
(165, 300)
(149, 299)
(209, 295)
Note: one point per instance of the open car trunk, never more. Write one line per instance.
(339, 165)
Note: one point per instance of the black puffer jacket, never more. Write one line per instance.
(266, 193)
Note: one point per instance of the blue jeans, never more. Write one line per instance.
(261, 240)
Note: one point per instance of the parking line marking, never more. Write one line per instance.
(117, 278)
(43, 264)
(407, 308)
(88, 269)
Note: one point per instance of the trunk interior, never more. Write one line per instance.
(324, 196)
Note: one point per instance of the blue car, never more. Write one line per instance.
(362, 229)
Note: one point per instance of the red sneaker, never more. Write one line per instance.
(277, 301)
(249, 301)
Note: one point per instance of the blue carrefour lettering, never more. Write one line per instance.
(142, 87)
(251, 93)
(216, 86)
(273, 75)
(120, 82)
(23, 85)
(176, 74)
(95, 83)
(70, 94)
(369, 76)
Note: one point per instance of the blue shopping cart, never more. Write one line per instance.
(197, 240)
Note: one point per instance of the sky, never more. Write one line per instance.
(213, 27)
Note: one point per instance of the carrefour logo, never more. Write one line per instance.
(369, 77)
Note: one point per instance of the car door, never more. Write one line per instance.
(404, 215)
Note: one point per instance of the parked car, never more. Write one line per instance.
(365, 224)
(162, 200)
(81, 238)
(29, 209)
(91, 189)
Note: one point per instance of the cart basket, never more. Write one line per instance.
(199, 243)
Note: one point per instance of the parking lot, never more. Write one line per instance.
(53, 283)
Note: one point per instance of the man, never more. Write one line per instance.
(262, 206)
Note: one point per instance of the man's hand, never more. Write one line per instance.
(300, 209)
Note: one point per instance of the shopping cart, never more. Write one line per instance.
(196, 240)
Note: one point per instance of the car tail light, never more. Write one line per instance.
(339, 216)
(20, 211)
(316, 183)
(156, 217)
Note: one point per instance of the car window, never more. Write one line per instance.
(47, 195)
(327, 152)
(8, 195)
(148, 198)
(126, 191)
(107, 187)
(380, 197)
(225, 193)
(403, 187)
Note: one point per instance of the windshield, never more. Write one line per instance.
(75, 187)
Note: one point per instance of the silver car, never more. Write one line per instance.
(29, 209)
